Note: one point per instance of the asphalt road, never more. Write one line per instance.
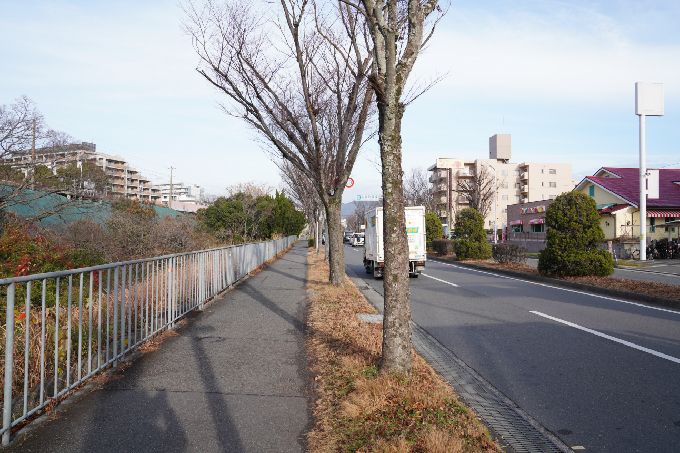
(667, 272)
(608, 381)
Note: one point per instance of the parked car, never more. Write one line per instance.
(357, 239)
(347, 236)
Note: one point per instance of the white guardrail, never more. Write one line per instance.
(61, 328)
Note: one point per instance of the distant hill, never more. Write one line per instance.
(347, 209)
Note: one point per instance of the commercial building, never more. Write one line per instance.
(617, 194)
(516, 182)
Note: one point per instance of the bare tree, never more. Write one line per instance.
(297, 76)
(301, 190)
(478, 191)
(418, 191)
(397, 30)
(26, 172)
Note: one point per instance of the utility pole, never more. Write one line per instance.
(170, 197)
(33, 159)
(448, 199)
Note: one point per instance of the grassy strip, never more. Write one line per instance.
(626, 263)
(622, 284)
(356, 408)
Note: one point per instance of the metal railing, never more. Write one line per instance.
(63, 327)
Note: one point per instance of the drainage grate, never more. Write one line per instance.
(504, 419)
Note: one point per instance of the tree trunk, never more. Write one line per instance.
(396, 347)
(334, 239)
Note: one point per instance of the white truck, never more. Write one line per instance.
(374, 255)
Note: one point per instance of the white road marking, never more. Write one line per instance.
(439, 279)
(559, 288)
(608, 337)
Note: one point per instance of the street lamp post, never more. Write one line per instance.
(495, 203)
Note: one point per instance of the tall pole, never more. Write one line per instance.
(643, 192)
(33, 159)
(495, 203)
(170, 196)
(448, 199)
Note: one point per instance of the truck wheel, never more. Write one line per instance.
(414, 275)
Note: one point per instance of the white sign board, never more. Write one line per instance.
(368, 197)
(450, 163)
(649, 99)
(652, 184)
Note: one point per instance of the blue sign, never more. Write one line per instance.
(368, 197)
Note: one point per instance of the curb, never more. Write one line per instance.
(644, 298)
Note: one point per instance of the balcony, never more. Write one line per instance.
(525, 188)
(525, 200)
(463, 200)
(465, 173)
(524, 175)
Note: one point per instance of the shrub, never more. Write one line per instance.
(573, 238)
(433, 229)
(310, 242)
(470, 242)
(237, 239)
(443, 246)
(471, 250)
(509, 253)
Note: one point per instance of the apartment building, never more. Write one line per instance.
(516, 182)
(125, 180)
(189, 193)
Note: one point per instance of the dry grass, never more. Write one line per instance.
(633, 286)
(356, 408)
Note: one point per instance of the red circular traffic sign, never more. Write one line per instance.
(350, 184)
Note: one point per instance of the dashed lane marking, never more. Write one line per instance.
(439, 279)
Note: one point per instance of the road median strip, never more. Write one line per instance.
(357, 408)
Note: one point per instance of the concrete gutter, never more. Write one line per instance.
(636, 297)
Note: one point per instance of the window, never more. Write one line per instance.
(669, 219)
(516, 197)
(552, 184)
(504, 210)
(542, 170)
(504, 197)
(591, 190)
(542, 184)
(652, 221)
(515, 173)
(552, 197)
(517, 228)
(542, 196)
(518, 185)
(537, 228)
(504, 185)
(552, 171)
(504, 172)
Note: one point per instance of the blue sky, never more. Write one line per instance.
(558, 76)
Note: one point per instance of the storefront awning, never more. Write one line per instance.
(656, 213)
(535, 221)
(515, 222)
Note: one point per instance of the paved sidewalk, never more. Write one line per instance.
(235, 380)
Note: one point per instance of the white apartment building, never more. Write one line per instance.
(125, 181)
(190, 193)
(516, 183)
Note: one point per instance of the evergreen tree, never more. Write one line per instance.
(574, 236)
(470, 240)
(433, 229)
